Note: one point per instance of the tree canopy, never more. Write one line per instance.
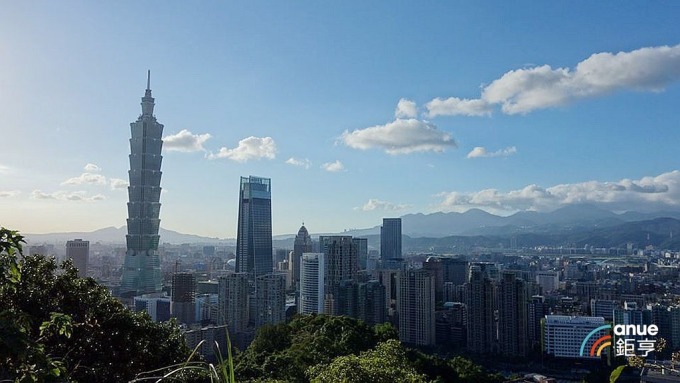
(56, 326)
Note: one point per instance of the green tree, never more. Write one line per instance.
(467, 371)
(286, 351)
(386, 363)
(53, 323)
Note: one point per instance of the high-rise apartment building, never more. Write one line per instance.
(455, 270)
(270, 298)
(232, 299)
(362, 251)
(302, 244)
(415, 305)
(446, 269)
(341, 264)
(371, 302)
(512, 315)
(254, 233)
(183, 297)
(312, 283)
(538, 309)
(79, 251)
(481, 302)
(390, 238)
(142, 270)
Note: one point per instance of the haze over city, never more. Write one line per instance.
(355, 111)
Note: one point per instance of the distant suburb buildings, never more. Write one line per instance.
(142, 269)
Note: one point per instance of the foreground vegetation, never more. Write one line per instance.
(56, 327)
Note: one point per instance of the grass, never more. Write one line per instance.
(222, 372)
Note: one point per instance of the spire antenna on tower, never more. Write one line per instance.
(148, 80)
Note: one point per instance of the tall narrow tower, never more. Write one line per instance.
(142, 271)
(390, 238)
(302, 244)
(254, 232)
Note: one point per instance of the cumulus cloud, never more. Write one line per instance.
(646, 194)
(9, 193)
(401, 136)
(86, 179)
(305, 163)
(92, 168)
(376, 204)
(66, 196)
(524, 90)
(250, 148)
(117, 183)
(333, 167)
(406, 109)
(185, 141)
(480, 151)
(454, 106)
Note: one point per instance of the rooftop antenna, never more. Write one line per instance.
(148, 80)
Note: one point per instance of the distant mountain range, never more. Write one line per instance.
(662, 233)
(113, 235)
(573, 225)
(478, 222)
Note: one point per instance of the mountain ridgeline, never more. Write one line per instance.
(571, 226)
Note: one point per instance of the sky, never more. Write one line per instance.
(355, 111)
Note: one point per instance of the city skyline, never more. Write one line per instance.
(494, 106)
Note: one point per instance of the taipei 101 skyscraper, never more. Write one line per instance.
(142, 270)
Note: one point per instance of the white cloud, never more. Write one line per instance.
(117, 183)
(333, 167)
(524, 90)
(250, 148)
(454, 106)
(185, 141)
(646, 194)
(92, 168)
(9, 193)
(37, 194)
(406, 109)
(305, 163)
(66, 196)
(376, 204)
(401, 136)
(86, 179)
(480, 151)
(4, 169)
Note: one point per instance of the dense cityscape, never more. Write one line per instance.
(535, 309)
(349, 192)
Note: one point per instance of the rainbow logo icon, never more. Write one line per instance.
(600, 343)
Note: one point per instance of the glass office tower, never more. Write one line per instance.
(390, 238)
(142, 270)
(254, 236)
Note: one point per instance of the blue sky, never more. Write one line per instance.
(356, 111)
